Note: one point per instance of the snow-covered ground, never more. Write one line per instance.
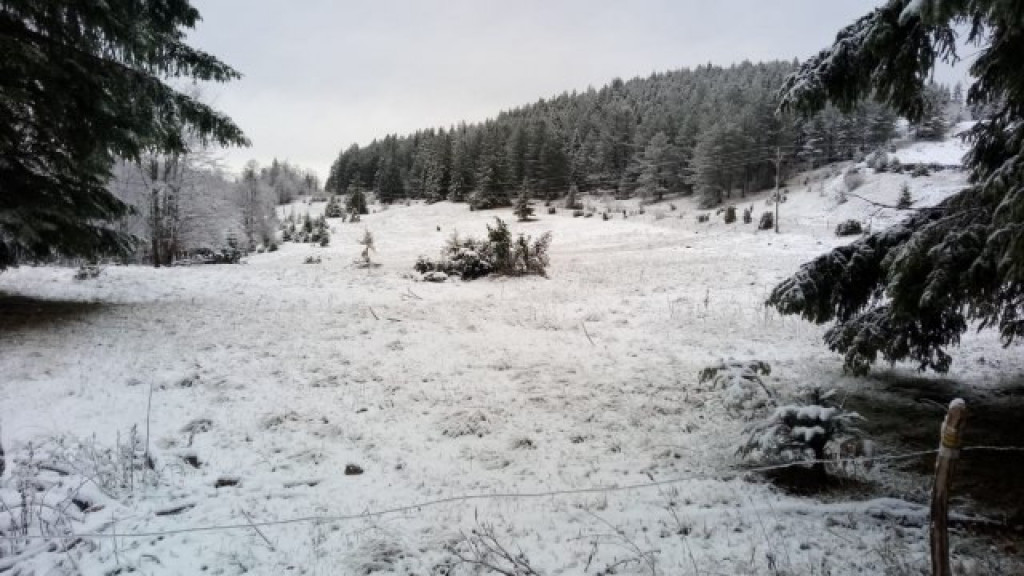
(270, 378)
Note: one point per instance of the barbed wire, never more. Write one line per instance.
(416, 507)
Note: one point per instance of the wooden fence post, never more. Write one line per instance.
(949, 451)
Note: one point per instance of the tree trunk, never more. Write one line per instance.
(155, 227)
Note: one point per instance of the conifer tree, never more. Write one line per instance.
(81, 85)
(356, 203)
(522, 209)
(656, 167)
(908, 293)
(905, 200)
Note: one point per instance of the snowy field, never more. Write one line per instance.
(270, 378)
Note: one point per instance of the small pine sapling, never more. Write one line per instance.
(730, 215)
(522, 209)
(356, 203)
(767, 221)
(905, 200)
(571, 202)
(368, 246)
(748, 216)
(813, 430)
(334, 208)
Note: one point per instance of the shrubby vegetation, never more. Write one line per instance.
(306, 229)
(499, 254)
(849, 227)
(815, 429)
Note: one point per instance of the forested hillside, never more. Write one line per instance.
(712, 131)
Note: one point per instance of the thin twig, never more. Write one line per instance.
(891, 207)
(584, 325)
(258, 531)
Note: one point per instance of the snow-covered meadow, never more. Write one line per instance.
(265, 387)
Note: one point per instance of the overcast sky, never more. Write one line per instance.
(322, 74)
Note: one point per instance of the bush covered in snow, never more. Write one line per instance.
(730, 215)
(878, 161)
(740, 383)
(305, 229)
(767, 221)
(852, 180)
(230, 255)
(905, 200)
(849, 228)
(369, 246)
(470, 258)
(813, 430)
(334, 208)
(87, 272)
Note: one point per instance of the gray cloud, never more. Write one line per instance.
(320, 75)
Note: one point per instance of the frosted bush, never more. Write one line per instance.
(466, 423)
(814, 430)
(740, 384)
(849, 228)
(852, 180)
(499, 254)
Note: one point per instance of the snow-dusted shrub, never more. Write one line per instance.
(116, 471)
(894, 165)
(878, 161)
(466, 423)
(730, 214)
(852, 180)
(849, 228)
(311, 260)
(229, 255)
(740, 383)
(552, 210)
(470, 258)
(88, 272)
(748, 215)
(577, 213)
(435, 276)
(703, 218)
(306, 230)
(368, 244)
(767, 221)
(334, 208)
(920, 170)
(905, 200)
(522, 209)
(815, 430)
